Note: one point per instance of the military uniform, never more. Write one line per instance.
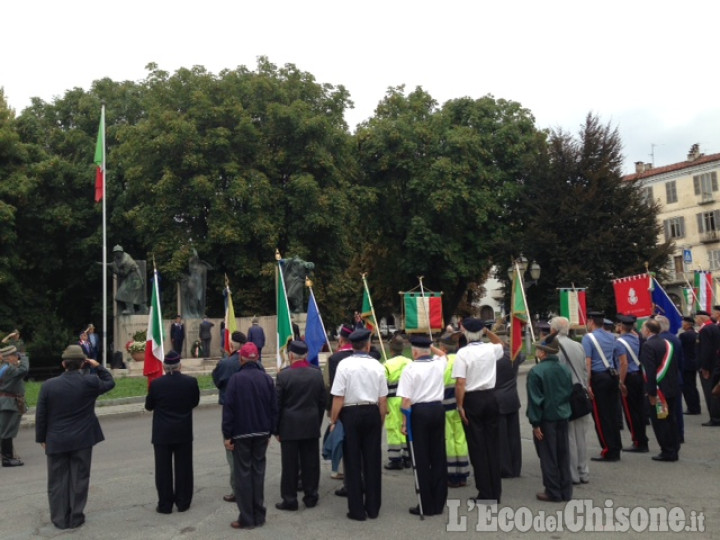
(12, 389)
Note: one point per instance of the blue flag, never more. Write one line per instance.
(664, 306)
(315, 336)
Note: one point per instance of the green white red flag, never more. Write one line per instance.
(518, 315)
(230, 320)
(573, 305)
(284, 324)
(100, 159)
(154, 351)
(423, 312)
(367, 311)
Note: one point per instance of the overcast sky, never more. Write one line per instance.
(650, 68)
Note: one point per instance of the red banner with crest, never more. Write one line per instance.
(633, 295)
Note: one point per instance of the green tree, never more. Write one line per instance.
(440, 185)
(583, 223)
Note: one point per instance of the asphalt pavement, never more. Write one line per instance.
(122, 495)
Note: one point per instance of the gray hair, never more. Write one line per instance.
(664, 322)
(561, 325)
(473, 336)
(171, 367)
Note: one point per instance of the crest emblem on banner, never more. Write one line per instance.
(632, 297)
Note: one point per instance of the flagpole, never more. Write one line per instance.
(375, 320)
(104, 241)
(308, 284)
(425, 309)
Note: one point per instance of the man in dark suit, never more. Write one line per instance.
(177, 334)
(172, 399)
(688, 338)
(662, 388)
(301, 401)
(506, 394)
(707, 357)
(205, 335)
(67, 428)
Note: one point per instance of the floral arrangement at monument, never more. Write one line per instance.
(136, 347)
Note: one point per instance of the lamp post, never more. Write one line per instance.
(534, 272)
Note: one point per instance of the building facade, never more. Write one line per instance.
(689, 200)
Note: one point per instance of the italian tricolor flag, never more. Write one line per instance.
(703, 290)
(154, 352)
(284, 324)
(230, 320)
(100, 158)
(518, 315)
(572, 305)
(423, 313)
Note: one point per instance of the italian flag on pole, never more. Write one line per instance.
(284, 325)
(100, 158)
(423, 313)
(703, 290)
(154, 352)
(518, 315)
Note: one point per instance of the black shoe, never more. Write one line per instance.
(286, 506)
(163, 510)
(341, 492)
(638, 449)
(407, 463)
(12, 462)
(415, 510)
(229, 498)
(661, 457)
(711, 423)
(605, 458)
(394, 465)
(310, 502)
(356, 518)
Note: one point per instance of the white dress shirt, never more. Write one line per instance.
(360, 379)
(476, 363)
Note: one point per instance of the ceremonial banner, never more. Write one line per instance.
(230, 321)
(664, 306)
(284, 325)
(573, 305)
(421, 313)
(100, 158)
(367, 312)
(703, 291)
(154, 351)
(315, 336)
(632, 295)
(518, 315)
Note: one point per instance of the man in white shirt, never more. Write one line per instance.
(360, 402)
(422, 388)
(474, 372)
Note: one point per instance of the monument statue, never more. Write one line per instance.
(130, 294)
(294, 272)
(193, 288)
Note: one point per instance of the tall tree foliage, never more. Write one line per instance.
(583, 223)
(441, 183)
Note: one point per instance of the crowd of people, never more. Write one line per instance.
(452, 406)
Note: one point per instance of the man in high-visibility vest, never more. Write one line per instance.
(458, 462)
(398, 457)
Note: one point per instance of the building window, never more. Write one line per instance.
(714, 258)
(671, 192)
(674, 228)
(708, 221)
(646, 195)
(704, 185)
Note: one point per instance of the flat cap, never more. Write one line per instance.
(472, 324)
(359, 335)
(72, 352)
(421, 341)
(298, 347)
(171, 359)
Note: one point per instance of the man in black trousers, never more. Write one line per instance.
(422, 389)
(688, 338)
(663, 390)
(301, 403)
(67, 429)
(172, 399)
(708, 346)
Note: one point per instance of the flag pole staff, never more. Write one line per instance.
(104, 243)
(427, 315)
(280, 353)
(309, 284)
(522, 290)
(375, 320)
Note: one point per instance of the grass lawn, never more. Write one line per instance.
(125, 387)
